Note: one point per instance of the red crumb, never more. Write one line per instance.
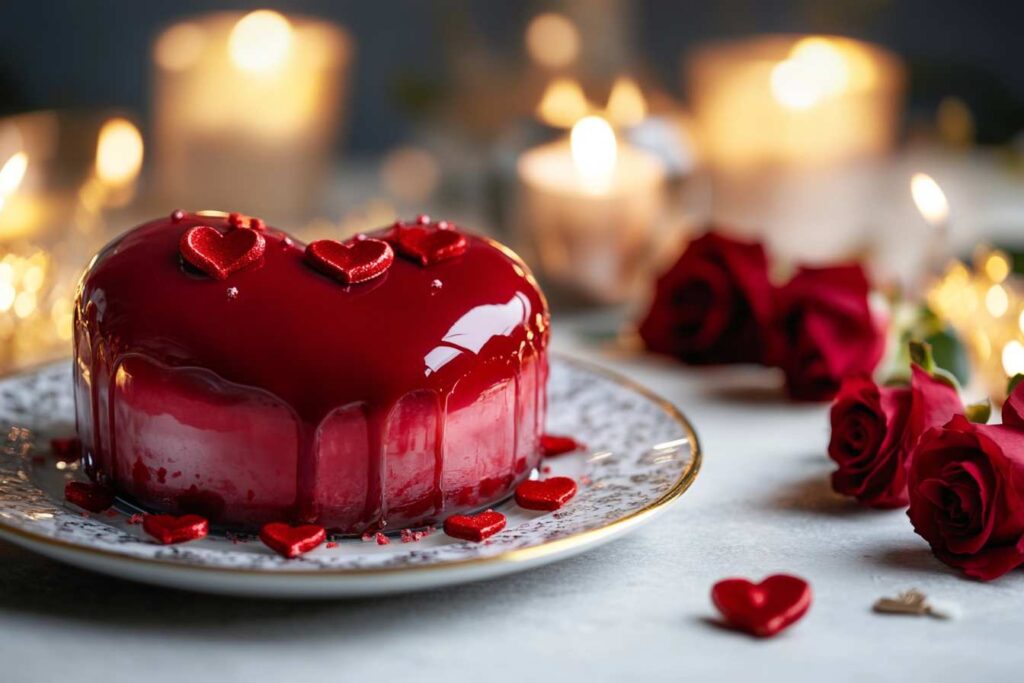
(135, 519)
(367, 537)
(331, 544)
(546, 469)
(585, 480)
(382, 539)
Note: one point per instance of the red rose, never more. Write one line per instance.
(966, 486)
(828, 330)
(714, 305)
(874, 429)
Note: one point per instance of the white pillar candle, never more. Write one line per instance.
(589, 207)
(246, 109)
(792, 129)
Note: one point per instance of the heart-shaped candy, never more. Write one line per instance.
(89, 496)
(765, 608)
(173, 529)
(549, 494)
(219, 255)
(475, 527)
(292, 541)
(427, 245)
(552, 444)
(356, 260)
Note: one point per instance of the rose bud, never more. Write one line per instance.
(875, 428)
(828, 330)
(714, 305)
(966, 488)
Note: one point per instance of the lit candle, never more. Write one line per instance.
(791, 129)
(588, 207)
(931, 202)
(246, 109)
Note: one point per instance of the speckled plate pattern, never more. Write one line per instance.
(641, 455)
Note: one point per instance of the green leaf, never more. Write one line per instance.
(1012, 384)
(979, 412)
(921, 354)
(950, 354)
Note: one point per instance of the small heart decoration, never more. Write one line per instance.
(292, 541)
(477, 527)
(88, 495)
(763, 609)
(219, 255)
(356, 260)
(549, 494)
(168, 529)
(427, 245)
(553, 444)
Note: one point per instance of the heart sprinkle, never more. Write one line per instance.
(475, 527)
(552, 444)
(67, 448)
(168, 529)
(356, 260)
(549, 494)
(427, 245)
(762, 609)
(292, 541)
(89, 496)
(219, 255)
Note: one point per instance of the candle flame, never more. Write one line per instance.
(626, 103)
(552, 40)
(119, 152)
(12, 173)
(814, 71)
(260, 41)
(929, 198)
(594, 152)
(563, 103)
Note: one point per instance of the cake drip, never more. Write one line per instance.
(282, 394)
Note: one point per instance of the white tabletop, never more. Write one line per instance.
(637, 609)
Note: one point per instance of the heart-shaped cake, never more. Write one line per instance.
(342, 386)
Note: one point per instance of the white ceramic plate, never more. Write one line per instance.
(642, 455)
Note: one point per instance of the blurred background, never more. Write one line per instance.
(595, 136)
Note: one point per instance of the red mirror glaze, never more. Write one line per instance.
(280, 394)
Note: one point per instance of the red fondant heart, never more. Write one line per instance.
(551, 444)
(356, 260)
(549, 494)
(292, 541)
(765, 608)
(89, 496)
(219, 255)
(427, 245)
(172, 529)
(475, 527)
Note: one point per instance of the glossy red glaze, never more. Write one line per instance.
(292, 397)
